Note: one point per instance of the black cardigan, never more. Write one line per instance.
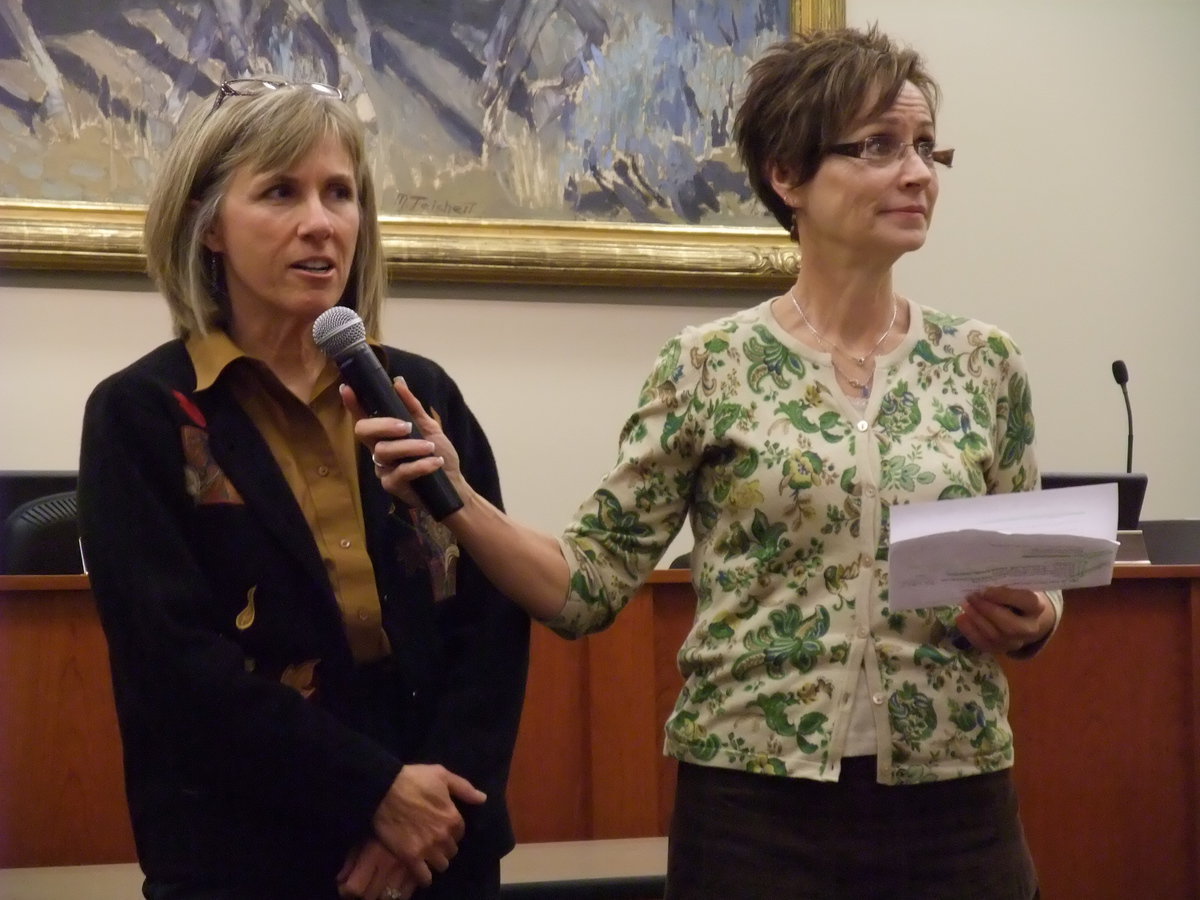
(233, 778)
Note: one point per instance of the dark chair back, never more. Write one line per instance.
(41, 537)
(1172, 542)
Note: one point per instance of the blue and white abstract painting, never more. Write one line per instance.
(598, 110)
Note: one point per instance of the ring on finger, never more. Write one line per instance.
(381, 465)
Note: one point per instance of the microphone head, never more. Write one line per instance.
(1120, 372)
(337, 330)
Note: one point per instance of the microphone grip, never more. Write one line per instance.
(373, 387)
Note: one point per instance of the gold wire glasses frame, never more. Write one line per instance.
(882, 149)
(252, 87)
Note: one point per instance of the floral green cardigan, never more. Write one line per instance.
(788, 487)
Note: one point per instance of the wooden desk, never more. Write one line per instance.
(1107, 724)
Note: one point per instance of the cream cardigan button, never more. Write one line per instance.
(878, 699)
(862, 425)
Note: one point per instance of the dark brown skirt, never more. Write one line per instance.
(739, 836)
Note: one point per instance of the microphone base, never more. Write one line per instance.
(1131, 549)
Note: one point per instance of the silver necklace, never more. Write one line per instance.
(860, 360)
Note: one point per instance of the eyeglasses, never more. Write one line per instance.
(252, 87)
(882, 149)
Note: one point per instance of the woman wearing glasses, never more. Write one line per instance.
(828, 746)
(318, 694)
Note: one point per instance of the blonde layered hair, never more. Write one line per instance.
(269, 131)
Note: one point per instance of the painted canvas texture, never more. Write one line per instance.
(562, 110)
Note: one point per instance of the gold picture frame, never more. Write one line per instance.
(102, 237)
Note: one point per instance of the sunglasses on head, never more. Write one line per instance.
(252, 87)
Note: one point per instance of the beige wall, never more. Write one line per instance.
(1072, 216)
(1071, 219)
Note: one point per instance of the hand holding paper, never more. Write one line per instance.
(1041, 540)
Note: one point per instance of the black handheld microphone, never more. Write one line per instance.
(1121, 376)
(341, 335)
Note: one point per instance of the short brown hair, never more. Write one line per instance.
(804, 94)
(272, 130)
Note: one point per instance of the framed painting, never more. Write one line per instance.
(520, 141)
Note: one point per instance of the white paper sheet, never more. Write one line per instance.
(1041, 540)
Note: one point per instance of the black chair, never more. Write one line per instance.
(682, 561)
(41, 537)
(1172, 542)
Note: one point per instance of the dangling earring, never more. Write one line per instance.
(216, 279)
(794, 231)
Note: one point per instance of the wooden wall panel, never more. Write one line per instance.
(1107, 725)
(549, 790)
(625, 727)
(617, 780)
(1107, 753)
(62, 793)
(674, 609)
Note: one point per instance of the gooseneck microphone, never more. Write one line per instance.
(341, 335)
(1121, 376)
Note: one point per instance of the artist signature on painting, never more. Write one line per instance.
(422, 204)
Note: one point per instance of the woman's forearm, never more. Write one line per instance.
(527, 565)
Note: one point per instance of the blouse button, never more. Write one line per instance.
(862, 631)
(322, 471)
(363, 615)
(862, 425)
(878, 699)
(345, 542)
